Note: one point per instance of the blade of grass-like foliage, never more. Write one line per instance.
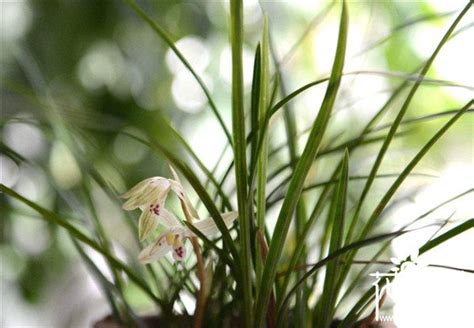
(336, 219)
(314, 22)
(164, 35)
(223, 256)
(78, 235)
(101, 235)
(253, 142)
(315, 214)
(350, 144)
(382, 204)
(365, 300)
(292, 145)
(230, 166)
(300, 172)
(107, 287)
(213, 173)
(430, 265)
(465, 226)
(321, 201)
(199, 163)
(397, 122)
(262, 159)
(276, 84)
(353, 143)
(357, 141)
(254, 105)
(402, 26)
(340, 252)
(271, 201)
(362, 272)
(13, 155)
(240, 146)
(407, 77)
(369, 125)
(424, 118)
(397, 183)
(325, 150)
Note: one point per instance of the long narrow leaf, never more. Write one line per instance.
(364, 301)
(262, 159)
(163, 34)
(336, 218)
(398, 119)
(301, 170)
(78, 235)
(240, 146)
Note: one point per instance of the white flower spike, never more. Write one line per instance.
(173, 239)
(150, 196)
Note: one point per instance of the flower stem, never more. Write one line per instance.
(201, 293)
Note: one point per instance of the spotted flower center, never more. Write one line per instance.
(179, 251)
(155, 208)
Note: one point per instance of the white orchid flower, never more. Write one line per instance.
(174, 237)
(150, 196)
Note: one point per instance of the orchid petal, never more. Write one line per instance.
(168, 219)
(151, 194)
(155, 251)
(179, 250)
(208, 226)
(173, 172)
(137, 188)
(177, 188)
(138, 200)
(146, 223)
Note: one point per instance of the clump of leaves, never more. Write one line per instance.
(248, 274)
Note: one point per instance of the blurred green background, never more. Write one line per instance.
(75, 74)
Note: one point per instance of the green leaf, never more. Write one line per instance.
(78, 235)
(403, 26)
(240, 146)
(365, 300)
(336, 219)
(199, 163)
(300, 172)
(397, 121)
(262, 159)
(272, 200)
(398, 182)
(164, 35)
(340, 252)
(315, 214)
(107, 287)
(254, 105)
(356, 280)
